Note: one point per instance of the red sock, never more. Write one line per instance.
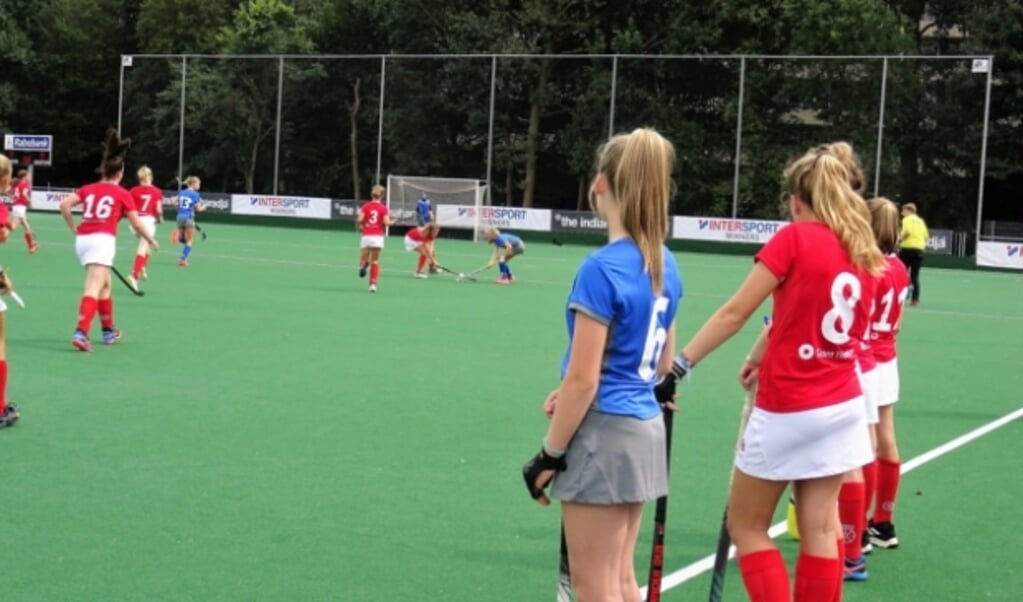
(853, 516)
(422, 262)
(145, 260)
(374, 272)
(28, 240)
(136, 269)
(869, 486)
(888, 475)
(106, 312)
(86, 312)
(3, 385)
(816, 578)
(765, 576)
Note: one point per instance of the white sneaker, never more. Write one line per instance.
(372, 288)
(134, 283)
(421, 275)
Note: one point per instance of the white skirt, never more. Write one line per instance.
(411, 245)
(372, 242)
(870, 382)
(150, 223)
(816, 443)
(888, 385)
(96, 248)
(19, 211)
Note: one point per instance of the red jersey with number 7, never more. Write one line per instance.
(103, 205)
(892, 291)
(373, 215)
(818, 319)
(147, 199)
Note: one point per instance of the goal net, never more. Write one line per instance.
(462, 199)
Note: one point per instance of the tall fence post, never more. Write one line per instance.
(880, 127)
(125, 61)
(181, 126)
(738, 137)
(983, 150)
(277, 140)
(380, 123)
(490, 130)
(614, 90)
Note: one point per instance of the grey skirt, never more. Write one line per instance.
(186, 222)
(614, 460)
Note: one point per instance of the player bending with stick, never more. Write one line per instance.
(506, 246)
(605, 446)
(421, 240)
(96, 239)
(809, 422)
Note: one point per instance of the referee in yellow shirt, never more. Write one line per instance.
(912, 245)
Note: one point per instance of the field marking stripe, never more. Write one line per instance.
(707, 563)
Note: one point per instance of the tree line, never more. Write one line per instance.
(61, 63)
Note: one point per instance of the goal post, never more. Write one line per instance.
(462, 196)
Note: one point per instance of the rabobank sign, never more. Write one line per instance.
(725, 229)
(35, 143)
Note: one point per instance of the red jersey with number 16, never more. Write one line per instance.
(103, 205)
(147, 199)
(817, 321)
(887, 319)
(373, 215)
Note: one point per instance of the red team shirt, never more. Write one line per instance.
(103, 205)
(864, 352)
(887, 315)
(373, 213)
(818, 321)
(21, 193)
(147, 199)
(416, 235)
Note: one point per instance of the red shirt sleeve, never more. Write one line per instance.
(779, 252)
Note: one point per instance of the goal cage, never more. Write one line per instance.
(465, 197)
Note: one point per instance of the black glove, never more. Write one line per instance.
(664, 390)
(539, 463)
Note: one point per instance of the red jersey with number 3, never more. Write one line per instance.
(892, 291)
(147, 199)
(373, 215)
(20, 192)
(103, 205)
(809, 362)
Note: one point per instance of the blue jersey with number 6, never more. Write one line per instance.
(187, 200)
(612, 288)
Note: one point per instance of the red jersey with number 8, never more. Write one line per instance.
(147, 199)
(819, 315)
(103, 205)
(373, 215)
(892, 291)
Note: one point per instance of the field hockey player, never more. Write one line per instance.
(506, 247)
(422, 239)
(149, 204)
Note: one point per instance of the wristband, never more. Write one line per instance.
(681, 366)
(552, 451)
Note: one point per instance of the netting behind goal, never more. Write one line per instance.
(461, 198)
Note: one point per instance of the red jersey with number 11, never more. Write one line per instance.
(887, 319)
(818, 320)
(373, 215)
(147, 199)
(103, 205)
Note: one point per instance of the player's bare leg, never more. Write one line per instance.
(374, 269)
(423, 257)
(363, 261)
(141, 256)
(9, 413)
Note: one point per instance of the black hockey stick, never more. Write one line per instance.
(200, 231)
(564, 572)
(134, 291)
(653, 592)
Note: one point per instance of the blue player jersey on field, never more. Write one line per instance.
(611, 288)
(503, 239)
(187, 200)
(423, 207)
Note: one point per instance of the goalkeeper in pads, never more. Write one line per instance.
(506, 246)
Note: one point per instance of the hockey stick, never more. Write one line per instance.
(200, 231)
(564, 572)
(471, 275)
(134, 291)
(717, 580)
(653, 592)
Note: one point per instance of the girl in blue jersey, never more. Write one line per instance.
(605, 447)
(506, 246)
(188, 204)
